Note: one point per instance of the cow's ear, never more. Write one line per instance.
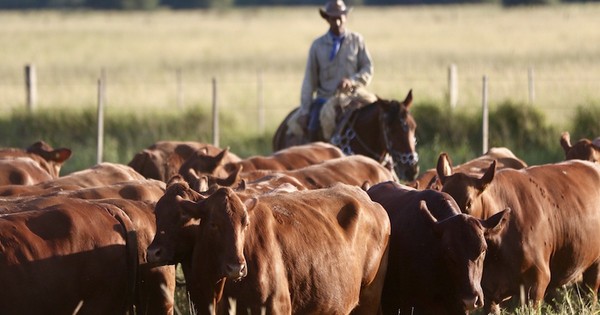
(221, 156)
(191, 208)
(429, 218)
(487, 177)
(565, 142)
(233, 177)
(61, 155)
(496, 223)
(444, 167)
(251, 203)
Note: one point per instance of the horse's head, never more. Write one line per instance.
(398, 131)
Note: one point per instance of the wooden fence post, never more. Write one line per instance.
(452, 86)
(30, 86)
(485, 121)
(101, 100)
(215, 114)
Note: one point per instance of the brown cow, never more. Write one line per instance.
(553, 235)
(84, 257)
(355, 170)
(46, 157)
(504, 157)
(163, 159)
(584, 149)
(308, 252)
(436, 253)
(99, 175)
(286, 159)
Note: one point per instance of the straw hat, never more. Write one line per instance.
(334, 8)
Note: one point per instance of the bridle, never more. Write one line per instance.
(344, 136)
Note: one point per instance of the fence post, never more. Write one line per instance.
(261, 105)
(452, 86)
(101, 100)
(30, 86)
(531, 85)
(215, 117)
(485, 121)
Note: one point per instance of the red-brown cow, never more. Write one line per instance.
(503, 156)
(584, 149)
(163, 159)
(99, 175)
(553, 234)
(84, 257)
(286, 159)
(436, 253)
(309, 252)
(46, 157)
(355, 170)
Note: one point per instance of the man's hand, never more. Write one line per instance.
(346, 85)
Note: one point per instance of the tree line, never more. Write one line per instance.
(210, 4)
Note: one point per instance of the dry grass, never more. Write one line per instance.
(411, 46)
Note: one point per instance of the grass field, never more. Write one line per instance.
(257, 56)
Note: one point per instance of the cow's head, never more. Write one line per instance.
(203, 163)
(54, 158)
(465, 189)
(175, 229)
(224, 220)
(463, 244)
(584, 149)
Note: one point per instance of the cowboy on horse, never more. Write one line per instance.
(337, 61)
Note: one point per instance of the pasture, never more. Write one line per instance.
(159, 65)
(164, 60)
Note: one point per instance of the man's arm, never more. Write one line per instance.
(310, 82)
(365, 65)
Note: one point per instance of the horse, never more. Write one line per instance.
(382, 130)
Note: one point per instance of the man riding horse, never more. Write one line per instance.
(337, 61)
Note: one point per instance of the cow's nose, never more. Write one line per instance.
(236, 271)
(153, 254)
(472, 303)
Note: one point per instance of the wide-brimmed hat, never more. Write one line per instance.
(334, 8)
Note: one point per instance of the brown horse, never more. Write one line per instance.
(381, 130)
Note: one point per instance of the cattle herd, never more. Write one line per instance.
(305, 230)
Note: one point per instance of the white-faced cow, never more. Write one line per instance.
(553, 234)
(436, 253)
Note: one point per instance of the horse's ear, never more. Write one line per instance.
(408, 100)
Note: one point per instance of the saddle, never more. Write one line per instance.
(337, 110)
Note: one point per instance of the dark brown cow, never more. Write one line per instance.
(163, 159)
(286, 159)
(503, 156)
(436, 253)
(309, 252)
(46, 157)
(584, 149)
(83, 257)
(553, 235)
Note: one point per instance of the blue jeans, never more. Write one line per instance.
(314, 121)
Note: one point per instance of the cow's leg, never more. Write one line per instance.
(370, 295)
(536, 282)
(591, 281)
